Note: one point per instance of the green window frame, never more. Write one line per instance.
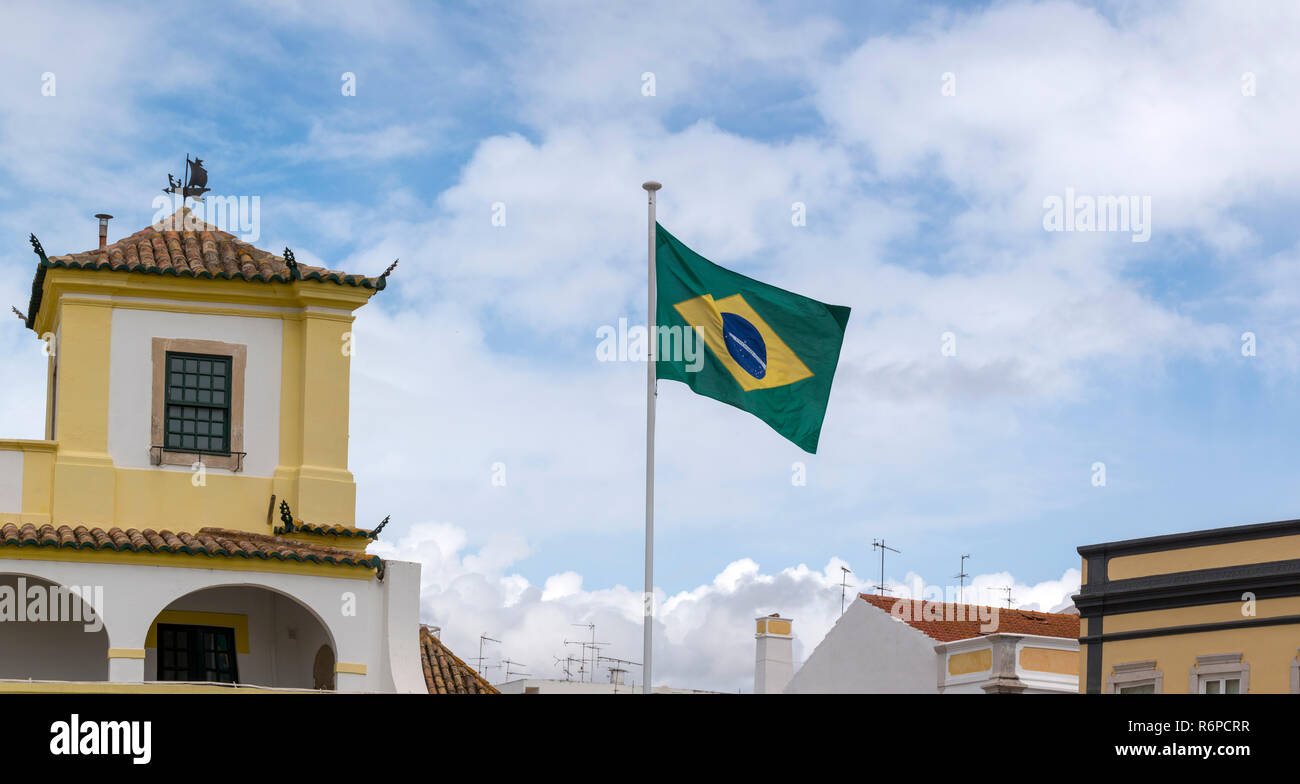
(197, 403)
(197, 653)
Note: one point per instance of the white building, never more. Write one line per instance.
(887, 645)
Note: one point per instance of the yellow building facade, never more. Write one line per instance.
(1209, 612)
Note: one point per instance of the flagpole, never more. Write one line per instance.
(647, 644)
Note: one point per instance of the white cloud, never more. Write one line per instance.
(1050, 95)
(704, 636)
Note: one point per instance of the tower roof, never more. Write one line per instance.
(183, 246)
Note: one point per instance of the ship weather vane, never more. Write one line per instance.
(194, 184)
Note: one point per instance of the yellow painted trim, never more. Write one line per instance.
(27, 445)
(971, 661)
(1050, 660)
(778, 627)
(62, 282)
(1186, 559)
(38, 476)
(126, 653)
(153, 687)
(186, 561)
(165, 498)
(350, 667)
(237, 621)
(1224, 612)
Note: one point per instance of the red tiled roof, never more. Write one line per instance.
(1009, 621)
(185, 246)
(445, 673)
(181, 245)
(214, 542)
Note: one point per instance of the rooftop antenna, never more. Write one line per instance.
(482, 638)
(567, 660)
(508, 663)
(618, 668)
(880, 544)
(844, 585)
(1007, 588)
(961, 581)
(595, 646)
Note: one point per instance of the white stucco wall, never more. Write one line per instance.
(1035, 682)
(356, 612)
(11, 482)
(867, 651)
(130, 392)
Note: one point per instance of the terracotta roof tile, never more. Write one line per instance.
(917, 614)
(445, 673)
(215, 542)
(290, 525)
(183, 246)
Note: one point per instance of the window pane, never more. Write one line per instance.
(201, 383)
(1232, 686)
(1212, 687)
(1145, 688)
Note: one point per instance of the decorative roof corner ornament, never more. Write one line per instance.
(36, 246)
(286, 517)
(292, 264)
(390, 269)
(193, 187)
(19, 314)
(375, 533)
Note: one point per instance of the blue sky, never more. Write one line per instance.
(924, 215)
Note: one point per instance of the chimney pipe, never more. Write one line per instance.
(774, 657)
(103, 229)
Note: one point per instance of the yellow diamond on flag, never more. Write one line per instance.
(743, 342)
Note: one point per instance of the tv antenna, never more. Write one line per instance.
(593, 645)
(880, 545)
(961, 581)
(508, 662)
(620, 666)
(567, 661)
(844, 585)
(1007, 588)
(482, 638)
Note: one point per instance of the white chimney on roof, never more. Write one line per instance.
(774, 658)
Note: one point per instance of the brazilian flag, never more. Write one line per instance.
(769, 352)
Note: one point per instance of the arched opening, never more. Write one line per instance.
(49, 632)
(246, 634)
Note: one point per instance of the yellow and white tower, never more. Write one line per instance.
(194, 477)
